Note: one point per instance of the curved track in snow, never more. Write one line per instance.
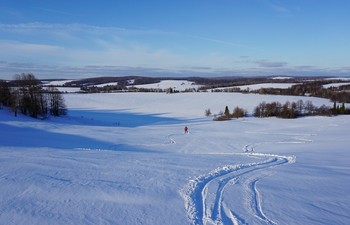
(204, 195)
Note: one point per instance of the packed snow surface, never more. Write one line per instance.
(124, 159)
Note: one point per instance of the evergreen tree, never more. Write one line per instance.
(342, 109)
(227, 112)
(334, 109)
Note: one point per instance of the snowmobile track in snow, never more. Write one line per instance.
(203, 195)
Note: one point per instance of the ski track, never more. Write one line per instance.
(203, 195)
(171, 139)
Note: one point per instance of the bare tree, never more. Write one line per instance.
(5, 94)
(56, 102)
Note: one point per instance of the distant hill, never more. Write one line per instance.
(140, 80)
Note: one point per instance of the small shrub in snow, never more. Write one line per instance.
(239, 112)
(207, 112)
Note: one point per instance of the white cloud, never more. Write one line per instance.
(27, 48)
(63, 50)
(78, 44)
(277, 7)
(75, 29)
(270, 64)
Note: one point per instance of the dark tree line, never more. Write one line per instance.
(291, 110)
(27, 96)
(288, 110)
(123, 88)
(315, 89)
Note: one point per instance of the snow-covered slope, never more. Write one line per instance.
(124, 159)
(57, 82)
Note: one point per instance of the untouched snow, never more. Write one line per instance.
(254, 87)
(335, 85)
(106, 84)
(57, 82)
(339, 78)
(281, 78)
(124, 159)
(177, 85)
(68, 89)
(179, 105)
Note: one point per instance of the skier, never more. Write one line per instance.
(186, 130)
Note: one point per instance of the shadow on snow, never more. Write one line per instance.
(118, 118)
(35, 138)
(14, 136)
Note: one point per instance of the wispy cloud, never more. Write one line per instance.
(278, 7)
(221, 42)
(84, 45)
(78, 50)
(25, 48)
(42, 71)
(72, 36)
(75, 31)
(44, 29)
(270, 64)
(65, 13)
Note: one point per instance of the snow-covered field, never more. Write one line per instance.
(335, 85)
(57, 82)
(176, 85)
(255, 87)
(124, 159)
(107, 84)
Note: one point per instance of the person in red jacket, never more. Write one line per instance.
(186, 130)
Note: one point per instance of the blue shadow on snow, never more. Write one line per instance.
(28, 137)
(118, 118)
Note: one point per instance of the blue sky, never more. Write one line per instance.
(74, 39)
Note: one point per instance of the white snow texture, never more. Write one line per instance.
(124, 158)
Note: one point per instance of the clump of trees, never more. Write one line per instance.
(239, 112)
(27, 96)
(276, 109)
(288, 110)
(227, 115)
(340, 109)
(5, 94)
(291, 110)
(315, 89)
